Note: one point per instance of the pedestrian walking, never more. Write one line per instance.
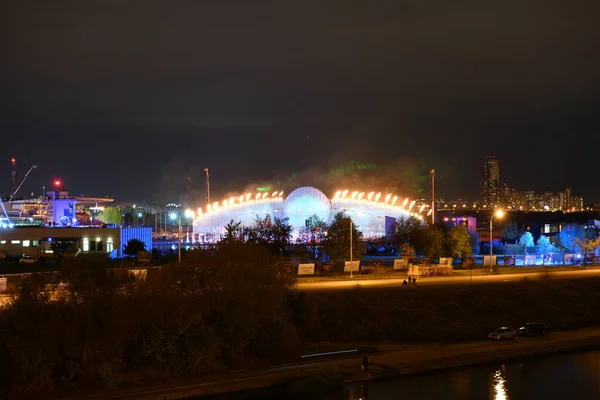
(365, 364)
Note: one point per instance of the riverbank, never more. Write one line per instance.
(391, 361)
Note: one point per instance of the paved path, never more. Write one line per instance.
(308, 285)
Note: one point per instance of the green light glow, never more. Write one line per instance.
(264, 189)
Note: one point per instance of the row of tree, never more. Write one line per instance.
(322, 240)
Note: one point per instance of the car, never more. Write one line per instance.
(25, 259)
(533, 329)
(503, 333)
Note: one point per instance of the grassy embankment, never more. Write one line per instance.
(445, 313)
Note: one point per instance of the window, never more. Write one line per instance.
(99, 245)
(2, 241)
(34, 243)
(26, 243)
(86, 244)
(92, 246)
(109, 245)
(15, 241)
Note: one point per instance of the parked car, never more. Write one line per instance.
(533, 329)
(25, 259)
(503, 333)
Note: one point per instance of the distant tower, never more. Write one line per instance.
(490, 182)
(207, 186)
(13, 163)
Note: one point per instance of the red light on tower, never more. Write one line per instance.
(57, 183)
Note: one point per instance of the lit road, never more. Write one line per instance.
(322, 284)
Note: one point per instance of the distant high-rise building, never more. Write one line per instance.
(490, 182)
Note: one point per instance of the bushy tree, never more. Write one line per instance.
(571, 236)
(273, 233)
(407, 229)
(510, 233)
(337, 241)
(433, 237)
(526, 240)
(133, 247)
(111, 215)
(314, 233)
(543, 245)
(458, 242)
(475, 241)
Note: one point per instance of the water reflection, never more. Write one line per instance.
(499, 384)
(360, 392)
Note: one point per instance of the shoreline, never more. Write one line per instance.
(392, 361)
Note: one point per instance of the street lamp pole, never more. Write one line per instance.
(498, 214)
(351, 267)
(179, 240)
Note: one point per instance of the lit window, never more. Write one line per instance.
(34, 243)
(109, 245)
(26, 243)
(86, 244)
(2, 241)
(15, 241)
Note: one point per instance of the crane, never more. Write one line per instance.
(12, 196)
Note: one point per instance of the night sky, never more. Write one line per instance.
(129, 98)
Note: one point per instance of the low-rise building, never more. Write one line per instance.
(40, 242)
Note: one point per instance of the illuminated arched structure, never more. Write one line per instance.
(373, 213)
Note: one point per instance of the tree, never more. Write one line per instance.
(588, 245)
(573, 235)
(406, 229)
(407, 251)
(544, 246)
(526, 240)
(433, 242)
(337, 242)
(458, 242)
(111, 215)
(475, 241)
(133, 247)
(510, 233)
(274, 233)
(233, 232)
(314, 233)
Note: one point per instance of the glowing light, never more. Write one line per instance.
(405, 202)
(57, 183)
(420, 209)
(394, 200)
(361, 195)
(274, 193)
(264, 196)
(344, 194)
(281, 193)
(377, 196)
(257, 196)
(241, 198)
(500, 392)
(388, 197)
(354, 194)
(499, 214)
(190, 213)
(199, 211)
(248, 195)
(231, 200)
(337, 194)
(225, 203)
(369, 197)
(412, 204)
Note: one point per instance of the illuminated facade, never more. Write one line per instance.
(490, 182)
(373, 213)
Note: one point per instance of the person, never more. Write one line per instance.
(404, 283)
(409, 277)
(414, 281)
(365, 364)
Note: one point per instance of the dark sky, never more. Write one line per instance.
(129, 98)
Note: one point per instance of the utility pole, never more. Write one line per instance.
(351, 267)
(207, 186)
(432, 196)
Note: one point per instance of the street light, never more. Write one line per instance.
(498, 214)
(188, 214)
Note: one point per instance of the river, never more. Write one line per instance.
(575, 375)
